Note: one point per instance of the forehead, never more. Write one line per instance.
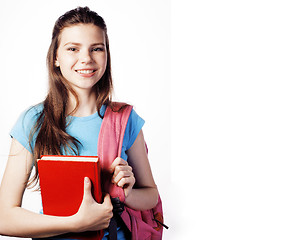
(82, 33)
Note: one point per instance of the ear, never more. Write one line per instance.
(57, 64)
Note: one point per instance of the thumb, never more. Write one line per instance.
(87, 188)
(107, 200)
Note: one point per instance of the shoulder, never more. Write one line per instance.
(133, 121)
(31, 114)
(123, 110)
(25, 123)
(29, 117)
(134, 126)
(118, 108)
(34, 111)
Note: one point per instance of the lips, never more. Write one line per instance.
(86, 72)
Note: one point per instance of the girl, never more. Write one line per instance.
(68, 122)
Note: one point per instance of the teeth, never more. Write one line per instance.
(85, 71)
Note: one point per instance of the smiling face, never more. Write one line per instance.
(82, 55)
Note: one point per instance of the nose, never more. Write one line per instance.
(85, 57)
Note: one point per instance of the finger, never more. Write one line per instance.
(122, 174)
(126, 169)
(126, 182)
(87, 188)
(107, 203)
(107, 199)
(118, 161)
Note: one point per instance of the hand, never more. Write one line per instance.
(123, 175)
(91, 215)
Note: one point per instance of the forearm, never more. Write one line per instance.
(20, 222)
(142, 198)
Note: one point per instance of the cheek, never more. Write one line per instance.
(104, 61)
(65, 59)
(66, 63)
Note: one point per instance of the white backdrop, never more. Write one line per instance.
(229, 85)
(139, 33)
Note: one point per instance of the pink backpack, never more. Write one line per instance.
(142, 224)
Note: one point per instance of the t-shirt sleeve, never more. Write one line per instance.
(23, 126)
(134, 125)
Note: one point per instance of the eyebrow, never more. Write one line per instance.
(79, 44)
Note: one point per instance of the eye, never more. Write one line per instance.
(98, 49)
(72, 49)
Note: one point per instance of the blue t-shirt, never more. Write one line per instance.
(84, 129)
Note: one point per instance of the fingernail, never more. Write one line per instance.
(86, 179)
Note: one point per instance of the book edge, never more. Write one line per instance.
(69, 158)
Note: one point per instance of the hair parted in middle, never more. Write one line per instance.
(50, 128)
(103, 89)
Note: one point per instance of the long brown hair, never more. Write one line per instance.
(52, 138)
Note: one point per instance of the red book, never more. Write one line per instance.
(62, 186)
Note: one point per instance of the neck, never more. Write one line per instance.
(87, 104)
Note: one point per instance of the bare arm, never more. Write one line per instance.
(16, 221)
(136, 177)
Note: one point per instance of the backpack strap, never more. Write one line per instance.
(110, 143)
(146, 224)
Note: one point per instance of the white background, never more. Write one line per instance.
(209, 78)
(229, 97)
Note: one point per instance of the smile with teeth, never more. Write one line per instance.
(85, 71)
